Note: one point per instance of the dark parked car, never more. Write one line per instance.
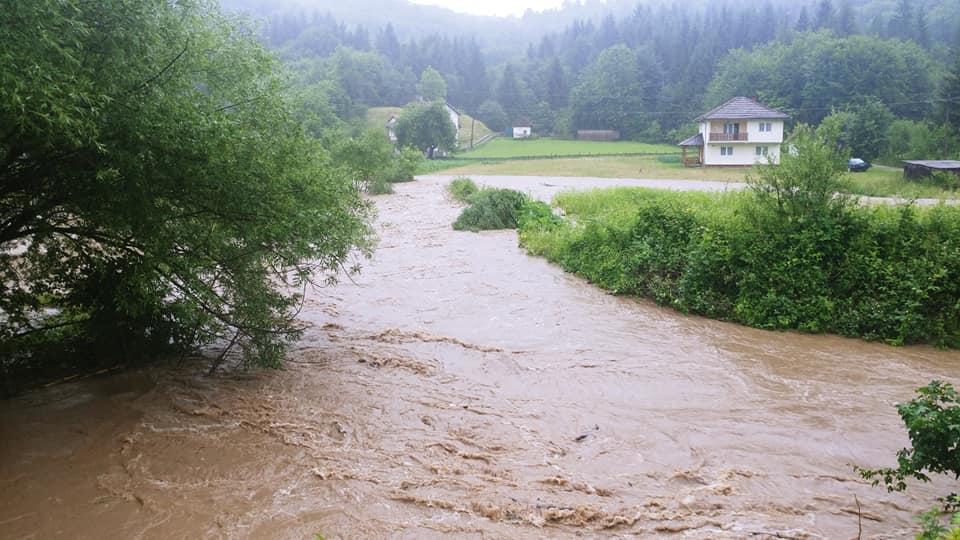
(857, 165)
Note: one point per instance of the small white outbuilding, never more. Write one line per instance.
(522, 132)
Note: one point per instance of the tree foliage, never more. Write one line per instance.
(611, 93)
(156, 189)
(493, 115)
(805, 186)
(861, 128)
(817, 72)
(949, 94)
(432, 87)
(427, 127)
(910, 139)
(933, 425)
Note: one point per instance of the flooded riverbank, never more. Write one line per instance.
(460, 387)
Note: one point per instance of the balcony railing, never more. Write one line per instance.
(719, 137)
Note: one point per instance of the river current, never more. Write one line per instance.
(459, 387)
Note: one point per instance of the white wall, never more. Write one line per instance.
(455, 120)
(774, 136)
(743, 154)
(521, 132)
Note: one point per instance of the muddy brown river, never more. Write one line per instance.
(460, 388)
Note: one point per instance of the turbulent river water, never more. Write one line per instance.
(459, 387)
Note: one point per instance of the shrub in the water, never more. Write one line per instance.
(491, 209)
(462, 189)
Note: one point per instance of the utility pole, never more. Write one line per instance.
(473, 122)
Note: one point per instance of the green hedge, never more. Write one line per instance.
(881, 273)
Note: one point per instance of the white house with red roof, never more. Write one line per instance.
(739, 132)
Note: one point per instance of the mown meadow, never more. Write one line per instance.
(502, 148)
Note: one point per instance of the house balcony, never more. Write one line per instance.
(726, 137)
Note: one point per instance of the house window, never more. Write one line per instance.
(731, 127)
(726, 150)
(761, 150)
(766, 126)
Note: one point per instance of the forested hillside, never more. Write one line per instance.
(645, 70)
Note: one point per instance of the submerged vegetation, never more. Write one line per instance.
(462, 189)
(491, 209)
(789, 253)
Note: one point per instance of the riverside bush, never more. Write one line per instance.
(798, 258)
(491, 209)
(462, 189)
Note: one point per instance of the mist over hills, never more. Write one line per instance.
(411, 20)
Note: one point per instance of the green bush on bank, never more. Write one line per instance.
(496, 208)
(787, 254)
(491, 209)
(462, 189)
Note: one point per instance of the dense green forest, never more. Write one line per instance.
(649, 68)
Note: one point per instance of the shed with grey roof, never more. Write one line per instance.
(920, 169)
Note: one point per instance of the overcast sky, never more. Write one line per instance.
(493, 7)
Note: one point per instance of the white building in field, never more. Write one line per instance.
(522, 130)
(739, 132)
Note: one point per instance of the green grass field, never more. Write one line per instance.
(882, 181)
(879, 181)
(504, 148)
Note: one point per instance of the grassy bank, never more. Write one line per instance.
(882, 273)
(789, 258)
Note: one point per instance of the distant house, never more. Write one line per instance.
(454, 118)
(920, 169)
(522, 129)
(738, 132)
(391, 128)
